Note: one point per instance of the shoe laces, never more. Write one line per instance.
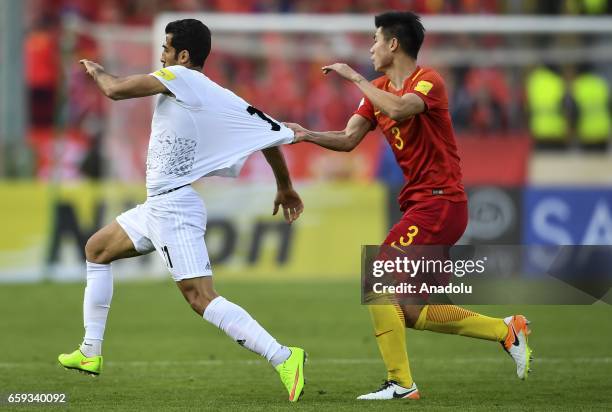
(386, 384)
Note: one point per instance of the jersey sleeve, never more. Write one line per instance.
(366, 109)
(175, 80)
(431, 89)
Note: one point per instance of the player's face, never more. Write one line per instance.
(380, 51)
(168, 56)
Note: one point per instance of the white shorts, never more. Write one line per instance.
(173, 224)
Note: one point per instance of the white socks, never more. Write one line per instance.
(227, 316)
(96, 303)
(241, 327)
(91, 347)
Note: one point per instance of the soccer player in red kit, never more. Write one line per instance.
(410, 106)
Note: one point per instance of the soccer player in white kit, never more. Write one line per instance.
(198, 129)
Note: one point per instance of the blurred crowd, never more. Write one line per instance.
(143, 11)
(559, 105)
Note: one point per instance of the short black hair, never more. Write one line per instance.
(406, 27)
(191, 35)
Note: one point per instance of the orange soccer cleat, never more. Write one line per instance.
(516, 344)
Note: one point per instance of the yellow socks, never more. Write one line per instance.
(390, 330)
(458, 321)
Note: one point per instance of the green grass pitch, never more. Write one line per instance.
(161, 356)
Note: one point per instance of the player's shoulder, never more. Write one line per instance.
(167, 74)
(430, 74)
(172, 72)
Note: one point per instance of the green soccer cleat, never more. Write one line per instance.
(291, 373)
(77, 361)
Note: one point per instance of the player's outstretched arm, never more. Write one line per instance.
(119, 88)
(397, 108)
(285, 195)
(340, 141)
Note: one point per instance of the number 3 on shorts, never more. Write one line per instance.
(410, 235)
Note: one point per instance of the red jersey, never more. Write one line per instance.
(424, 144)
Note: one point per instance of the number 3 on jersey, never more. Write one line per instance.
(253, 110)
(398, 142)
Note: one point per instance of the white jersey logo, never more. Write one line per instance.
(172, 155)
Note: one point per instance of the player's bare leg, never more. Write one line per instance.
(243, 329)
(411, 314)
(198, 292)
(107, 245)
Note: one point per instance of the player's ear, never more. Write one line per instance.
(183, 57)
(393, 44)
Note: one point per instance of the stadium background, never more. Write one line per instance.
(530, 105)
(531, 110)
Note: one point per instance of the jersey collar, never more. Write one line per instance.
(417, 71)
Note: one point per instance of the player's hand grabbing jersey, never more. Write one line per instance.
(424, 144)
(202, 130)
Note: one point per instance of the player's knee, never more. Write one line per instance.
(411, 314)
(96, 252)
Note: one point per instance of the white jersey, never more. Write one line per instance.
(203, 130)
